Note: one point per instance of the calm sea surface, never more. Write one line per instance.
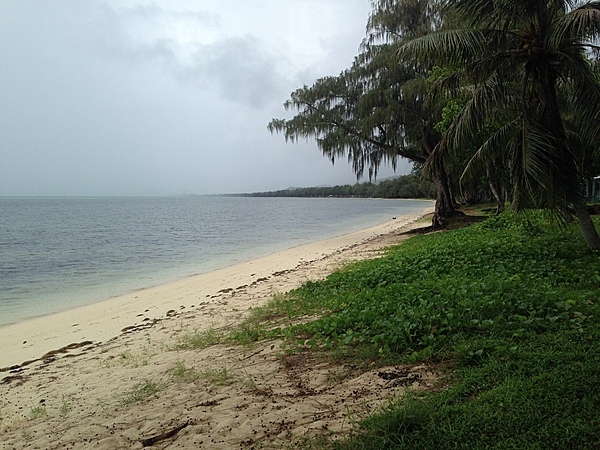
(57, 253)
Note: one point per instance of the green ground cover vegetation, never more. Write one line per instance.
(492, 99)
(507, 309)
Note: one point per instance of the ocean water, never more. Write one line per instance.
(58, 253)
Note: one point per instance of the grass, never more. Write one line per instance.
(218, 377)
(127, 358)
(131, 359)
(142, 391)
(65, 407)
(261, 323)
(38, 412)
(250, 383)
(198, 339)
(509, 304)
(181, 372)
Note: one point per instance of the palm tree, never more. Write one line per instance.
(527, 64)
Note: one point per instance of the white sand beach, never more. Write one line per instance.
(69, 380)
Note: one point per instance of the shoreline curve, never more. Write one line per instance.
(42, 338)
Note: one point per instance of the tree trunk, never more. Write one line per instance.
(497, 193)
(497, 197)
(444, 206)
(588, 230)
(515, 203)
(444, 203)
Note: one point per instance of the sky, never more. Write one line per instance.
(152, 98)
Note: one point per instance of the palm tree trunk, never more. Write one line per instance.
(497, 197)
(496, 192)
(586, 226)
(552, 120)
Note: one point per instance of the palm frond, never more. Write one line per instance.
(485, 101)
(499, 14)
(493, 149)
(452, 47)
(473, 8)
(505, 63)
(538, 150)
(587, 99)
(548, 168)
(579, 25)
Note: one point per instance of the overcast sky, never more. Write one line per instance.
(120, 97)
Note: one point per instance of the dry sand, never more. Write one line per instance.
(110, 375)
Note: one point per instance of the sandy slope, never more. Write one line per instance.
(71, 380)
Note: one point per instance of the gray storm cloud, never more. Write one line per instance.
(157, 98)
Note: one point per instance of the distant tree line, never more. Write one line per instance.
(406, 186)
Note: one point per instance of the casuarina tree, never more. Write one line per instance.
(379, 109)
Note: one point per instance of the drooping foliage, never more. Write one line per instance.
(356, 115)
(379, 109)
